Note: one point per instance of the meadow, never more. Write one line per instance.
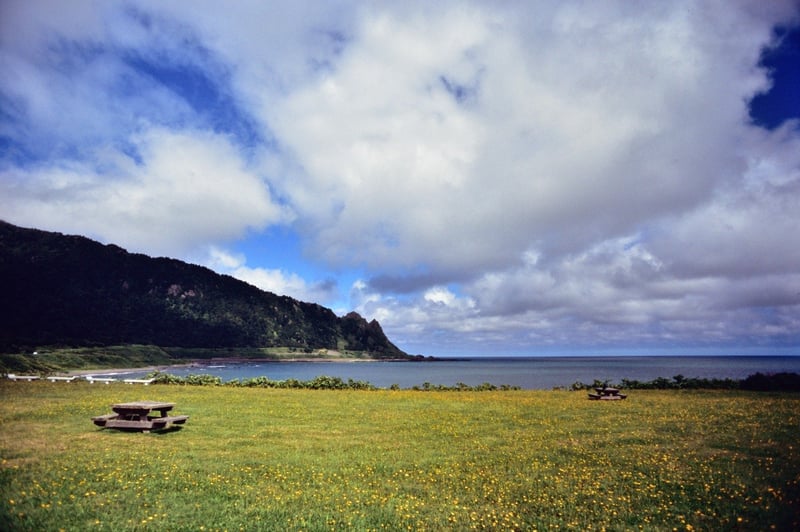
(287, 459)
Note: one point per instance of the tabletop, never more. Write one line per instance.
(137, 415)
(144, 405)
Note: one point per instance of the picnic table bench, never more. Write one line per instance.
(138, 381)
(54, 378)
(139, 416)
(14, 377)
(105, 380)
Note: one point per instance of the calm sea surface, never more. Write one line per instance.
(527, 372)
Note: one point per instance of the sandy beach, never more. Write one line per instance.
(122, 371)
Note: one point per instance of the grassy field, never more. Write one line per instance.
(258, 459)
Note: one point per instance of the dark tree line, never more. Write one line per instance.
(778, 382)
(61, 290)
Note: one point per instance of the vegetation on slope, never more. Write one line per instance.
(72, 291)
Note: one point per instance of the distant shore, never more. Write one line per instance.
(116, 371)
(205, 362)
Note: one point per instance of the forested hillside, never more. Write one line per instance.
(60, 290)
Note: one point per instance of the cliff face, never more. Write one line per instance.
(73, 291)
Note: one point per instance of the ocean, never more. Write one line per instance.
(524, 372)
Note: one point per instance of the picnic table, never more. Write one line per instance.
(140, 415)
(92, 379)
(607, 394)
(139, 381)
(28, 378)
(57, 378)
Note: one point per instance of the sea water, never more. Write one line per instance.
(524, 372)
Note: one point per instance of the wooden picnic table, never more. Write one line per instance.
(139, 416)
(92, 379)
(60, 378)
(607, 394)
(141, 409)
(28, 378)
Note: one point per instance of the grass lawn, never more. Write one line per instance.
(272, 459)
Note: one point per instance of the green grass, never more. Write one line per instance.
(273, 459)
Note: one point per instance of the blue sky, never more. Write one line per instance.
(480, 177)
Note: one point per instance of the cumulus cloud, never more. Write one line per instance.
(750, 227)
(526, 173)
(87, 73)
(276, 281)
(186, 188)
(462, 139)
(456, 146)
(287, 283)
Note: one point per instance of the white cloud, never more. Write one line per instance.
(379, 137)
(222, 260)
(191, 187)
(464, 142)
(533, 173)
(612, 295)
(277, 281)
(286, 283)
(463, 139)
(71, 79)
(439, 294)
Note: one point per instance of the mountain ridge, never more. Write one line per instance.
(69, 290)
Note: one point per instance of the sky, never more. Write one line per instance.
(483, 178)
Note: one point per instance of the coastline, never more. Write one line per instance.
(121, 371)
(532, 373)
(205, 362)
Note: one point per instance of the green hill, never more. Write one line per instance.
(70, 291)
